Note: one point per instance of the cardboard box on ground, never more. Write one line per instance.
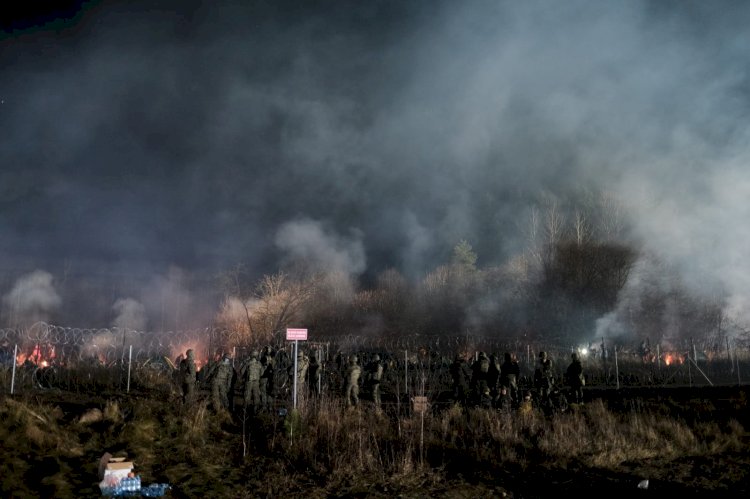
(118, 479)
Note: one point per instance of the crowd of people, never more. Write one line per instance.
(267, 376)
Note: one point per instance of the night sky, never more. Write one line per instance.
(154, 138)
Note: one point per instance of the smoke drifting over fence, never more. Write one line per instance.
(178, 141)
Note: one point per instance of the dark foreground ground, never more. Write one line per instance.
(50, 450)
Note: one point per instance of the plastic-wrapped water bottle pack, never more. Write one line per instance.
(155, 490)
(131, 487)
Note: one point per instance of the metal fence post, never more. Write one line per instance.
(13, 376)
(130, 362)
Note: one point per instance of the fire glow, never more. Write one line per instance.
(671, 358)
(179, 352)
(39, 356)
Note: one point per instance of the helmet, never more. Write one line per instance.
(376, 358)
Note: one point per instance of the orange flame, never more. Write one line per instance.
(179, 352)
(40, 355)
(673, 358)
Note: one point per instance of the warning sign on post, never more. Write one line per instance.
(296, 334)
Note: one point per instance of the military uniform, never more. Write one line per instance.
(574, 376)
(252, 374)
(353, 371)
(313, 375)
(188, 375)
(509, 374)
(493, 377)
(221, 384)
(302, 365)
(479, 372)
(267, 379)
(375, 375)
(543, 377)
(459, 374)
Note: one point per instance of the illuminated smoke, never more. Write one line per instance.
(131, 314)
(418, 123)
(169, 302)
(33, 298)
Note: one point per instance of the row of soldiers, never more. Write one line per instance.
(259, 373)
(485, 382)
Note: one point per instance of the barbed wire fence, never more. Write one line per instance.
(47, 356)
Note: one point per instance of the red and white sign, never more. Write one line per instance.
(296, 334)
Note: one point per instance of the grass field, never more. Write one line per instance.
(681, 440)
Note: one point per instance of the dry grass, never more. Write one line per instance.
(326, 447)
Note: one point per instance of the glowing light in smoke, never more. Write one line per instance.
(673, 358)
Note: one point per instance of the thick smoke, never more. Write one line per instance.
(169, 302)
(190, 135)
(33, 298)
(307, 241)
(341, 259)
(131, 314)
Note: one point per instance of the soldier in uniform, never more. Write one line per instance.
(353, 371)
(479, 371)
(302, 365)
(485, 398)
(509, 374)
(266, 379)
(252, 374)
(459, 374)
(493, 377)
(374, 376)
(574, 376)
(543, 378)
(221, 384)
(313, 374)
(504, 402)
(188, 375)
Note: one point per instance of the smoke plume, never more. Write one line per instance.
(33, 298)
(131, 314)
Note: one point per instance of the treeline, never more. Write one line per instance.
(578, 277)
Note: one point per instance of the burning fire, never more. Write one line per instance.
(673, 358)
(40, 355)
(179, 351)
